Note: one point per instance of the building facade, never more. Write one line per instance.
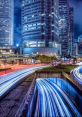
(46, 23)
(71, 32)
(39, 24)
(64, 26)
(6, 23)
(80, 46)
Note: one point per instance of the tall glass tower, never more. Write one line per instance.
(6, 23)
(39, 23)
(64, 26)
(46, 22)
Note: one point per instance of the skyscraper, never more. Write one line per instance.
(46, 23)
(66, 27)
(6, 23)
(39, 23)
(71, 31)
(63, 25)
(80, 46)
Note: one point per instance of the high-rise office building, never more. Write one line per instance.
(71, 31)
(6, 23)
(39, 23)
(45, 23)
(64, 26)
(79, 46)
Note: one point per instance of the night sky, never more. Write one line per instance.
(17, 22)
(76, 4)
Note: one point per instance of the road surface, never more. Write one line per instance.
(11, 79)
(53, 101)
(77, 74)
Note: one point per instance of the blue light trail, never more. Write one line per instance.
(11, 79)
(53, 101)
(77, 74)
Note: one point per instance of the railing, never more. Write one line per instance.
(37, 107)
(69, 78)
(26, 101)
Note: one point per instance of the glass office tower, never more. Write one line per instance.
(71, 31)
(39, 24)
(64, 26)
(6, 23)
(79, 46)
(45, 23)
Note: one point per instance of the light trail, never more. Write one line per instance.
(53, 101)
(11, 79)
(77, 75)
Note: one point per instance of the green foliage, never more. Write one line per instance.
(58, 69)
(45, 59)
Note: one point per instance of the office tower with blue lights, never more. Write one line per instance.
(71, 31)
(79, 46)
(64, 26)
(46, 24)
(39, 25)
(6, 23)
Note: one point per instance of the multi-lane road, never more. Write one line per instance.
(11, 79)
(77, 74)
(53, 101)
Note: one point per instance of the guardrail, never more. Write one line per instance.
(69, 78)
(27, 100)
(37, 107)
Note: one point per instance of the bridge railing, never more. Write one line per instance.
(70, 78)
(26, 101)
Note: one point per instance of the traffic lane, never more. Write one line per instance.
(17, 67)
(52, 93)
(62, 109)
(77, 75)
(16, 73)
(4, 87)
(8, 82)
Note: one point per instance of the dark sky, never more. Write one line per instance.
(17, 22)
(76, 4)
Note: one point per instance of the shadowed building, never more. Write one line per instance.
(6, 23)
(71, 32)
(64, 26)
(80, 46)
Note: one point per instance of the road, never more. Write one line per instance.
(53, 101)
(77, 74)
(11, 79)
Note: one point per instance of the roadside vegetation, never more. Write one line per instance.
(45, 58)
(58, 69)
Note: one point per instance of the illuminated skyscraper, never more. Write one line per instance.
(39, 23)
(79, 45)
(46, 23)
(64, 25)
(71, 31)
(6, 23)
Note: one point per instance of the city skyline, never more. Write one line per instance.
(40, 58)
(77, 5)
(39, 22)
